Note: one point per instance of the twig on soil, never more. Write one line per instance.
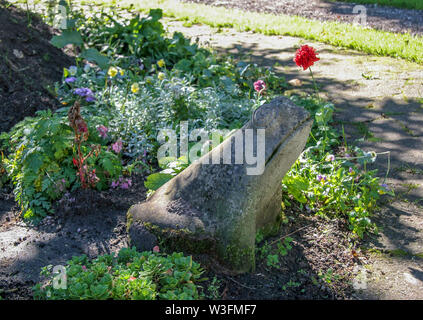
(283, 237)
(9, 291)
(242, 285)
(11, 65)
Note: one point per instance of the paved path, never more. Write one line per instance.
(379, 103)
(378, 17)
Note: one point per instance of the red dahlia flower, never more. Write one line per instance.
(305, 57)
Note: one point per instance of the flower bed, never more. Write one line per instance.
(119, 95)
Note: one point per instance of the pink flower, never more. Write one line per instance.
(102, 131)
(330, 158)
(122, 182)
(93, 179)
(117, 146)
(156, 249)
(84, 268)
(259, 86)
(132, 279)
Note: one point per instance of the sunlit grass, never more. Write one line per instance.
(338, 34)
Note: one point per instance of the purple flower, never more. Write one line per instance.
(102, 131)
(117, 146)
(90, 98)
(70, 80)
(83, 92)
(115, 184)
(385, 186)
(350, 170)
(140, 64)
(321, 178)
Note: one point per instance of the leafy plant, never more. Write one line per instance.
(40, 161)
(130, 275)
(71, 36)
(333, 185)
(171, 167)
(285, 246)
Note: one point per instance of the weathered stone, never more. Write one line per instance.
(218, 208)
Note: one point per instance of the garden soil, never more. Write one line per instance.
(29, 66)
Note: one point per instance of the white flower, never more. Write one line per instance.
(73, 70)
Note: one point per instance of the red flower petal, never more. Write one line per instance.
(305, 57)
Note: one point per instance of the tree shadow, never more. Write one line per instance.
(394, 125)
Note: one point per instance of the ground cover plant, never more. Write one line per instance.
(130, 275)
(114, 101)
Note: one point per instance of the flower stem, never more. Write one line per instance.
(315, 84)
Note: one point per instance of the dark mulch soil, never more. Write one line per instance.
(378, 17)
(320, 249)
(28, 65)
(85, 222)
(94, 223)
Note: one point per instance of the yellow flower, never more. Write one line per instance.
(112, 72)
(122, 72)
(161, 76)
(161, 63)
(135, 88)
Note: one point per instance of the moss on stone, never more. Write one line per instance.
(181, 239)
(240, 258)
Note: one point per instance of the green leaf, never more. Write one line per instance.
(156, 180)
(156, 14)
(296, 186)
(94, 56)
(107, 164)
(184, 65)
(67, 37)
(324, 114)
(34, 161)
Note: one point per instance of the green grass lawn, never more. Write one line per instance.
(338, 34)
(406, 4)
